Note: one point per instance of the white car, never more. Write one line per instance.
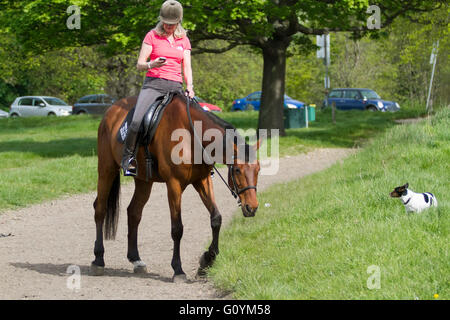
(3, 114)
(31, 106)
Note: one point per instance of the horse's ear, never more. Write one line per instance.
(257, 144)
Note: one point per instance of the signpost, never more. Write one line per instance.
(323, 42)
(433, 59)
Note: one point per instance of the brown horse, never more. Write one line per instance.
(242, 177)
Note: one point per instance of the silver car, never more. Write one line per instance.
(31, 106)
(3, 114)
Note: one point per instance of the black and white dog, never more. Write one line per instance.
(414, 202)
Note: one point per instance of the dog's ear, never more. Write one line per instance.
(406, 185)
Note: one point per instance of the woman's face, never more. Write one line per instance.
(170, 28)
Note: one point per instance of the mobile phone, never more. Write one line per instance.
(162, 59)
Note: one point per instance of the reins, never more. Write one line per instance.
(236, 190)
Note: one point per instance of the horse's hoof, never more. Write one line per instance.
(140, 270)
(95, 270)
(201, 274)
(179, 278)
(139, 267)
(206, 260)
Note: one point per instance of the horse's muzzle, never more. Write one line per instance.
(248, 211)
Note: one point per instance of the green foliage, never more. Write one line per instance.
(396, 66)
(222, 78)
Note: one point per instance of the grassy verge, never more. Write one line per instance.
(45, 158)
(321, 234)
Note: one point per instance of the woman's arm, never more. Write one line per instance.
(146, 50)
(187, 70)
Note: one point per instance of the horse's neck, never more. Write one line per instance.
(210, 133)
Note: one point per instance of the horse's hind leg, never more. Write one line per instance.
(141, 194)
(205, 190)
(106, 204)
(107, 193)
(174, 191)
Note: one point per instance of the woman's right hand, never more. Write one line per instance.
(157, 63)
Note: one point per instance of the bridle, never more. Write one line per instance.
(235, 191)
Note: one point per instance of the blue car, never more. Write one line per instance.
(359, 99)
(253, 102)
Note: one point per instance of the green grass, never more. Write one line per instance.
(46, 158)
(352, 128)
(321, 233)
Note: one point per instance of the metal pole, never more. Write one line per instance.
(432, 76)
(326, 61)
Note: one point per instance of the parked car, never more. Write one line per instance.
(360, 99)
(30, 106)
(3, 114)
(207, 106)
(93, 104)
(253, 102)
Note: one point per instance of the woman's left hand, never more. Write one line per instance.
(190, 89)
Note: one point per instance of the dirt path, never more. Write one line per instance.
(39, 243)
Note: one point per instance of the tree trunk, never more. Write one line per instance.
(273, 86)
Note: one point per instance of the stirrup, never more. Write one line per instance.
(127, 171)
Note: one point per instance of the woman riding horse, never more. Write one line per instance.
(242, 177)
(168, 47)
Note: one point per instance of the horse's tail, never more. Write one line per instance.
(112, 209)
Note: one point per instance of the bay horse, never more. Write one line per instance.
(242, 176)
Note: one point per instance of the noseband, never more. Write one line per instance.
(236, 191)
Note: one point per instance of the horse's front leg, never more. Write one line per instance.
(174, 191)
(141, 194)
(205, 190)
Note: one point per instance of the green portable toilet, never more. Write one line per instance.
(312, 112)
(294, 118)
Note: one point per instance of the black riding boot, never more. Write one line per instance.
(129, 163)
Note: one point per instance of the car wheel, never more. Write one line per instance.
(81, 112)
(249, 107)
(51, 114)
(14, 115)
(372, 108)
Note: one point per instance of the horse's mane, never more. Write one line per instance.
(227, 127)
(220, 122)
(237, 138)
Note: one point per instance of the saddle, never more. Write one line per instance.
(147, 130)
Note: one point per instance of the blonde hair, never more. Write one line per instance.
(180, 32)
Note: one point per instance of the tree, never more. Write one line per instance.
(272, 26)
(269, 25)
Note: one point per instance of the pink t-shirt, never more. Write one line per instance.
(173, 52)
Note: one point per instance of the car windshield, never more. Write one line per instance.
(55, 102)
(370, 94)
(286, 97)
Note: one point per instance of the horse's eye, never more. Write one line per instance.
(237, 170)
